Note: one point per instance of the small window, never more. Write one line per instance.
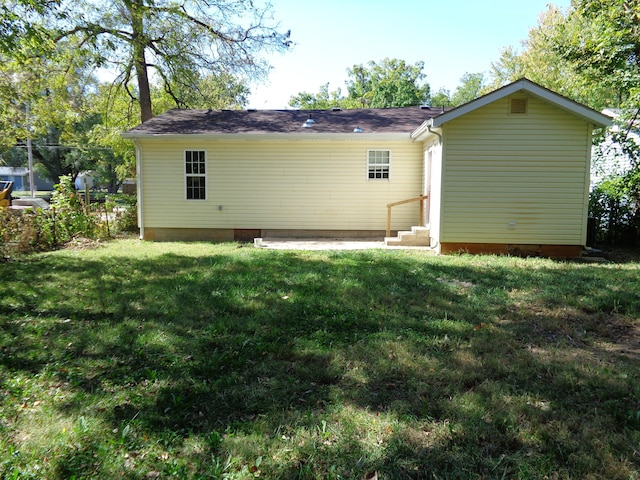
(195, 170)
(378, 164)
(518, 106)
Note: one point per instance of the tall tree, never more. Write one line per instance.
(472, 85)
(211, 91)
(544, 60)
(389, 83)
(322, 100)
(160, 39)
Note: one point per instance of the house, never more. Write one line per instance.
(20, 178)
(613, 161)
(505, 173)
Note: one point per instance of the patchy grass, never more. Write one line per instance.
(140, 360)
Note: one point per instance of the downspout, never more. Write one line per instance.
(436, 247)
(436, 134)
(139, 188)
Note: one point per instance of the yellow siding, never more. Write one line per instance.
(269, 184)
(510, 178)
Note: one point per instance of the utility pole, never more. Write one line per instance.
(30, 157)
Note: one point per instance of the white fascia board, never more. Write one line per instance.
(592, 116)
(424, 132)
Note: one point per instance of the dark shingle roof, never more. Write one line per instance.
(383, 120)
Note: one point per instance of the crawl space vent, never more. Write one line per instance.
(518, 105)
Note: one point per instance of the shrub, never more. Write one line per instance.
(613, 206)
(69, 217)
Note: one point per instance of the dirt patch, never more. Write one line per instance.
(620, 255)
(82, 243)
(624, 337)
(609, 333)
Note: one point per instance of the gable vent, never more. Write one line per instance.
(518, 105)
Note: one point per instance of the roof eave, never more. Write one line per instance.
(316, 136)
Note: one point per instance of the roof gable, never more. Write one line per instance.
(522, 85)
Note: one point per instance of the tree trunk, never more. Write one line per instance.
(139, 59)
(144, 91)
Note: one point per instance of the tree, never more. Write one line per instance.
(602, 40)
(607, 47)
(471, 87)
(172, 41)
(442, 98)
(544, 61)
(210, 91)
(390, 83)
(322, 100)
(43, 101)
(16, 29)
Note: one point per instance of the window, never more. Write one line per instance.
(194, 169)
(378, 163)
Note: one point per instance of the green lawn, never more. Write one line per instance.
(147, 360)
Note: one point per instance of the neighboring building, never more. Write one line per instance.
(20, 178)
(84, 180)
(613, 162)
(505, 173)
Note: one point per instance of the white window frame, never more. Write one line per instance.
(376, 166)
(188, 174)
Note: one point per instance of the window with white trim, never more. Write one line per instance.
(195, 174)
(378, 164)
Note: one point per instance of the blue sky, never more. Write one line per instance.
(450, 36)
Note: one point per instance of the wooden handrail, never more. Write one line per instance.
(420, 199)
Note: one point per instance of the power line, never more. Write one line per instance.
(60, 147)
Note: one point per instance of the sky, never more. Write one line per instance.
(451, 37)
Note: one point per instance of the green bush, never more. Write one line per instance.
(615, 211)
(125, 218)
(25, 231)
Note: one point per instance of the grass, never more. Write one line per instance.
(145, 360)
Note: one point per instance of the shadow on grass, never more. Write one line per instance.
(465, 360)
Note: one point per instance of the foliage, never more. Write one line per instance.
(184, 40)
(73, 217)
(125, 209)
(615, 212)
(21, 233)
(323, 100)
(389, 83)
(191, 90)
(602, 40)
(543, 61)
(16, 29)
(153, 360)
(442, 98)
(68, 218)
(472, 86)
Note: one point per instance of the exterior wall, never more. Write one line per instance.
(278, 185)
(516, 179)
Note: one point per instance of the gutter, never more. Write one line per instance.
(423, 129)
